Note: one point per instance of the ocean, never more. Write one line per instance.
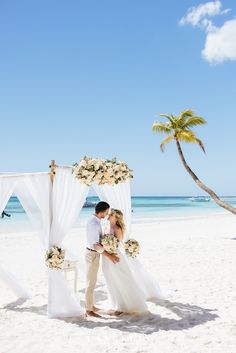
(144, 209)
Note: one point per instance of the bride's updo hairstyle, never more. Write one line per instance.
(119, 219)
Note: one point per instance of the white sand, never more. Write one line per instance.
(194, 262)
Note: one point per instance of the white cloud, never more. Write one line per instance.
(197, 15)
(220, 43)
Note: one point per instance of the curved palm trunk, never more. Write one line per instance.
(203, 186)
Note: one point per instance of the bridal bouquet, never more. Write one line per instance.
(110, 243)
(132, 248)
(101, 171)
(55, 257)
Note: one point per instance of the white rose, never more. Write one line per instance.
(83, 163)
(85, 174)
(97, 165)
(110, 171)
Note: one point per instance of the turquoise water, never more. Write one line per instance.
(145, 209)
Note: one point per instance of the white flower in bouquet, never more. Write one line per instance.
(132, 248)
(110, 243)
(83, 163)
(84, 172)
(90, 163)
(92, 175)
(98, 165)
(110, 171)
(98, 178)
(116, 168)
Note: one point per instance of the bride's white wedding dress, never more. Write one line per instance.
(129, 285)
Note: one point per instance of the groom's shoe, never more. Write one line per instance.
(93, 314)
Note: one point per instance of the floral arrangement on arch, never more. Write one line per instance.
(101, 171)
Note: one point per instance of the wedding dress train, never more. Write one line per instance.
(129, 285)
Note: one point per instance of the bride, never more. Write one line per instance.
(129, 285)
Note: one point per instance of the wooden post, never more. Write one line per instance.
(52, 167)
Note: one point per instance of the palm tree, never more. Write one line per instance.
(179, 129)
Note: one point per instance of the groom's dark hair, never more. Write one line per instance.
(101, 206)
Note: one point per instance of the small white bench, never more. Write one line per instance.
(71, 266)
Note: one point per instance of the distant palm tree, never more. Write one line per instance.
(179, 129)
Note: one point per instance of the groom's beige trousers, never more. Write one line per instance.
(92, 265)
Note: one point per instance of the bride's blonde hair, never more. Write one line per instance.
(119, 219)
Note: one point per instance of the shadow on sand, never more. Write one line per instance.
(189, 317)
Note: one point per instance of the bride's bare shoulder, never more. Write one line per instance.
(118, 233)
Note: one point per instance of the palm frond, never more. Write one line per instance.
(184, 115)
(172, 119)
(161, 127)
(199, 142)
(188, 113)
(164, 142)
(186, 136)
(194, 121)
(169, 117)
(189, 137)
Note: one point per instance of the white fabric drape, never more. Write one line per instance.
(53, 214)
(118, 196)
(13, 284)
(34, 192)
(7, 186)
(69, 195)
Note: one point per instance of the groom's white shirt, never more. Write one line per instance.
(93, 231)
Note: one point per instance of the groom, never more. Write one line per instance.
(94, 232)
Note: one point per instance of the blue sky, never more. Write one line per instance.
(90, 77)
